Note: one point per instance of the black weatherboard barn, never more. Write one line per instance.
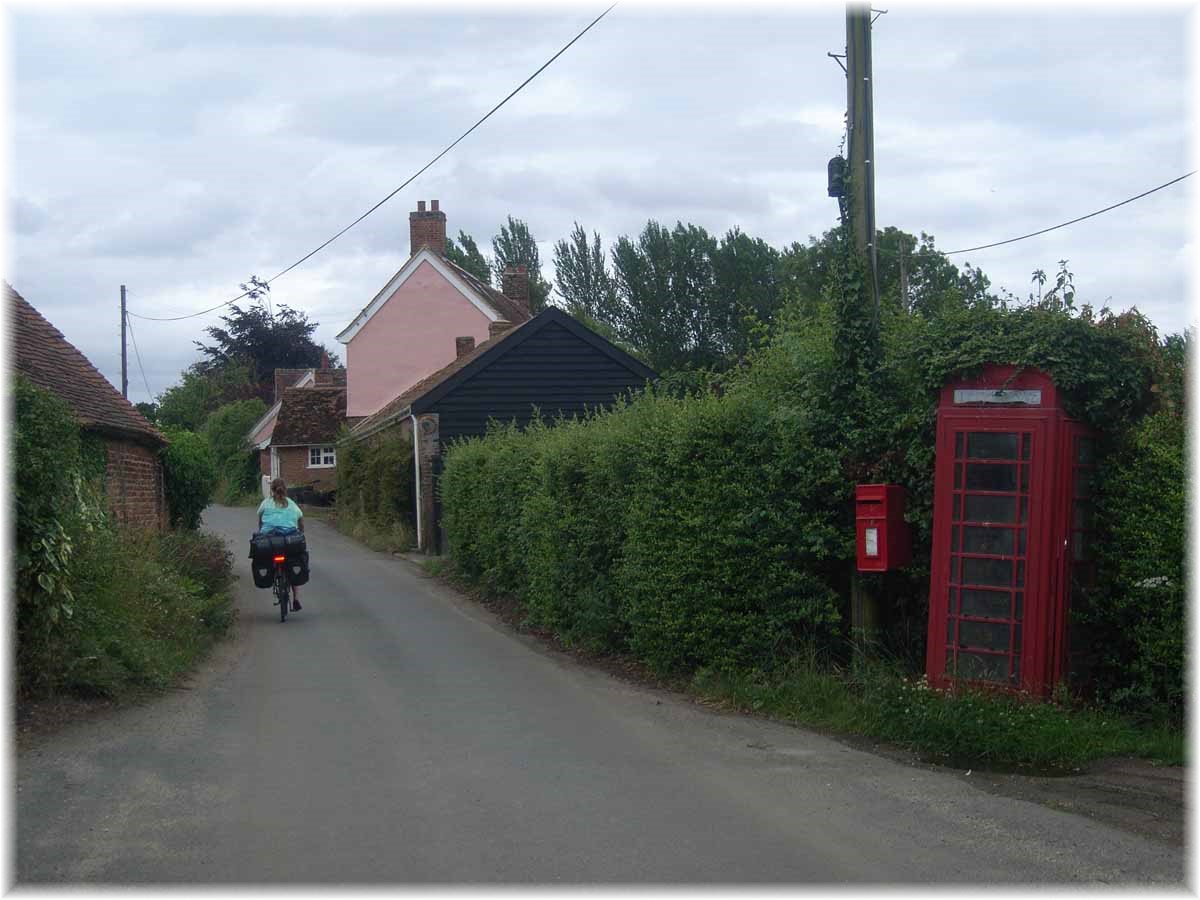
(551, 364)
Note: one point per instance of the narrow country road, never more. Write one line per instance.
(391, 733)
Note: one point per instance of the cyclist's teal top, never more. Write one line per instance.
(275, 516)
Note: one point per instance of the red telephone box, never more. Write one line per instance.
(1011, 526)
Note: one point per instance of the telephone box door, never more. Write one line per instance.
(987, 565)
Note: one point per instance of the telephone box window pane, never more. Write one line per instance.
(988, 540)
(1016, 675)
(1085, 453)
(1024, 508)
(1025, 479)
(954, 570)
(950, 631)
(1016, 639)
(1020, 602)
(987, 571)
(954, 539)
(1083, 514)
(986, 635)
(986, 604)
(1021, 573)
(1083, 483)
(987, 445)
(958, 445)
(982, 666)
(958, 508)
(990, 509)
(949, 669)
(952, 607)
(991, 477)
(1020, 542)
(958, 476)
(1025, 440)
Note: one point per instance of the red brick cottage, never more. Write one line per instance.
(134, 476)
(305, 434)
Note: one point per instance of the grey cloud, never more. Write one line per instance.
(28, 217)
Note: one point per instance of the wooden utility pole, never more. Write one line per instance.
(124, 358)
(865, 608)
(861, 139)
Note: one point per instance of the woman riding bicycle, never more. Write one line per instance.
(279, 514)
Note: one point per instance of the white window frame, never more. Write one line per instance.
(327, 453)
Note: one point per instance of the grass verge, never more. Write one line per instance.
(148, 607)
(969, 729)
(963, 728)
(388, 537)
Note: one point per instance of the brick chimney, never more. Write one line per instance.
(514, 284)
(463, 346)
(323, 376)
(498, 327)
(427, 229)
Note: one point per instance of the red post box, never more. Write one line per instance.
(1012, 522)
(883, 538)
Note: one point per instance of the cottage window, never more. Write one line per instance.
(321, 457)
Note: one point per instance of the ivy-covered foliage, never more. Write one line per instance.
(711, 524)
(53, 507)
(99, 611)
(189, 476)
(375, 482)
(225, 431)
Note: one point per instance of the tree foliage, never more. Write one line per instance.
(582, 278)
(466, 255)
(261, 341)
(202, 390)
(189, 477)
(515, 246)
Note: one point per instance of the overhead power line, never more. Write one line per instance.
(137, 353)
(1072, 221)
(406, 183)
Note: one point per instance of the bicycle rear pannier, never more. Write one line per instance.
(297, 569)
(263, 574)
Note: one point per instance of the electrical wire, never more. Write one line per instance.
(407, 182)
(1064, 224)
(137, 353)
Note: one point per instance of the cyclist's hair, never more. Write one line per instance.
(279, 491)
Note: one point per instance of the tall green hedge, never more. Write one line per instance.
(716, 529)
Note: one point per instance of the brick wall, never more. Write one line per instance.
(134, 485)
(293, 468)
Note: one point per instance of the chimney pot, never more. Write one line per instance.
(427, 229)
(514, 284)
(498, 327)
(463, 346)
(433, 206)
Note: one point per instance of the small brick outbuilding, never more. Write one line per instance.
(134, 476)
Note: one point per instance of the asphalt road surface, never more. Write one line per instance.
(393, 733)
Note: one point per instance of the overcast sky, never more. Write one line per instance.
(180, 153)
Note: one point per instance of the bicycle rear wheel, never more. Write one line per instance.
(282, 593)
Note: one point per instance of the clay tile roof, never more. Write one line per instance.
(494, 298)
(310, 415)
(429, 382)
(46, 358)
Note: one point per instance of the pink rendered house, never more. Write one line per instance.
(410, 329)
